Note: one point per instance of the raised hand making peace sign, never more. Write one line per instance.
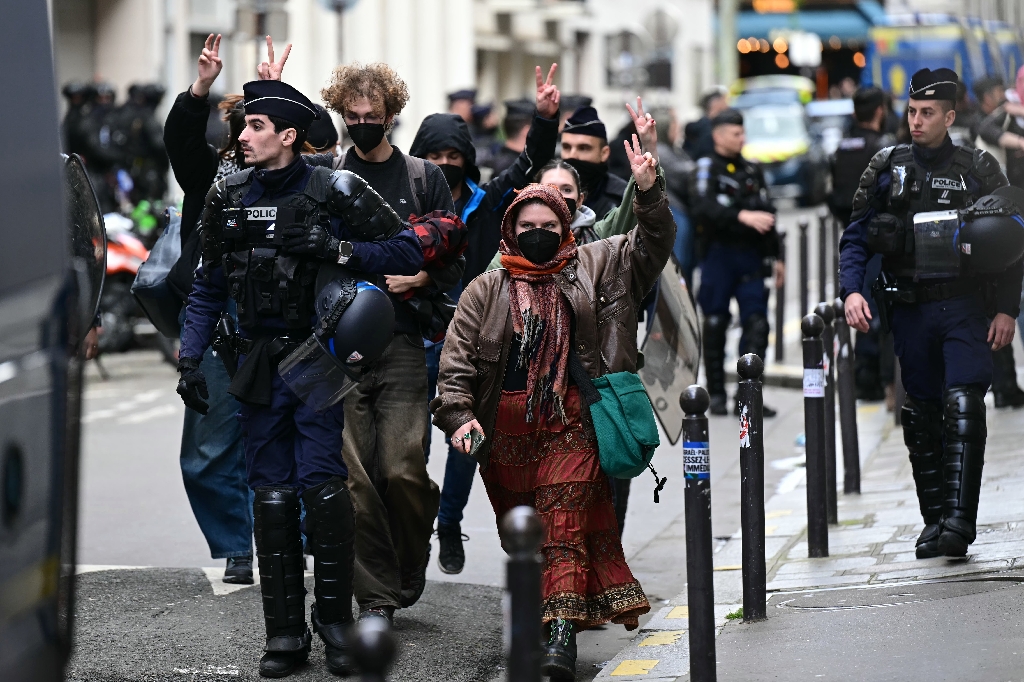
(210, 66)
(548, 95)
(645, 167)
(270, 70)
(646, 129)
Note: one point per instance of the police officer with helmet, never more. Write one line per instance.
(950, 291)
(735, 223)
(269, 233)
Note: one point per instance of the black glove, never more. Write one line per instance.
(301, 240)
(192, 385)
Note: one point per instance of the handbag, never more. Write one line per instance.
(627, 433)
(156, 298)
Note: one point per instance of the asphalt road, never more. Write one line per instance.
(144, 624)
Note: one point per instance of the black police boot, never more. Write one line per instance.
(965, 433)
(559, 659)
(922, 433)
(451, 558)
(715, 327)
(330, 530)
(238, 570)
(279, 548)
(1004, 379)
(755, 340)
(415, 581)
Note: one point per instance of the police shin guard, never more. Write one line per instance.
(755, 340)
(965, 433)
(715, 327)
(922, 433)
(279, 548)
(330, 530)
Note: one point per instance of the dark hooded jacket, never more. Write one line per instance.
(482, 207)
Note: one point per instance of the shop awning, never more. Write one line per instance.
(850, 23)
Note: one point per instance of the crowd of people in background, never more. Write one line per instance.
(655, 191)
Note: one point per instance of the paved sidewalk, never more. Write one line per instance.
(873, 545)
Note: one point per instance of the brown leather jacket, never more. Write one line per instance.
(604, 284)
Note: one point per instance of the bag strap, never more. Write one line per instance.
(417, 169)
(588, 391)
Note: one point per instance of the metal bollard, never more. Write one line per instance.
(835, 255)
(521, 534)
(780, 307)
(823, 216)
(700, 588)
(748, 394)
(805, 271)
(814, 435)
(846, 386)
(374, 649)
(827, 315)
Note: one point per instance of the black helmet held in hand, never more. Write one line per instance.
(991, 235)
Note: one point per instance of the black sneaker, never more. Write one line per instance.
(385, 612)
(239, 570)
(718, 405)
(451, 558)
(414, 583)
(559, 659)
(1014, 398)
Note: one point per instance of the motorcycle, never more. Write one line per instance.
(118, 309)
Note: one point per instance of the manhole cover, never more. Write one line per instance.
(884, 596)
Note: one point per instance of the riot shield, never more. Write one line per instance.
(671, 351)
(86, 237)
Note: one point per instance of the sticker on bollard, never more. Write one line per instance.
(696, 459)
(814, 383)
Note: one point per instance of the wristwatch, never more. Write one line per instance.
(344, 252)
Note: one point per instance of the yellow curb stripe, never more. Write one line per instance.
(663, 638)
(678, 612)
(635, 667)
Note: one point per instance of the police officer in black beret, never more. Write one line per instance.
(267, 232)
(946, 316)
(735, 224)
(585, 147)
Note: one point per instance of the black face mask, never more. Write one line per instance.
(452, 174)
(591, 174)
(571, 203)
(539, 245)
(366, 136)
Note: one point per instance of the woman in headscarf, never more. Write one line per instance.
(523, 338)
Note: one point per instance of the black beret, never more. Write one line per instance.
(585, 122)
(274, 98)
(462, 94)
(322, 134)
(571, 103)
(728, 117)
(520, 108)
(937, 84)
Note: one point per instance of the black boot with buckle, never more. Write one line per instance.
(330, 530)
(279, 548)
(559, 659)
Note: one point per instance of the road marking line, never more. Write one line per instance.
(735, 567)
(777, 513)
(153, 413)
(678, 612)
(635, 667)
(769, 530)
(662, 638)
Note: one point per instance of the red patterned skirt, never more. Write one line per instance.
(554, 468)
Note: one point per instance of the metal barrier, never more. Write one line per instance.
(814, 435)
(748, 395)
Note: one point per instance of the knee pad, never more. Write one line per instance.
(922, 426)
(276, 518)
(329, 515)
(755, 335)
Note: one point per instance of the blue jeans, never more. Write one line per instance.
(460, 468)
(213, 468)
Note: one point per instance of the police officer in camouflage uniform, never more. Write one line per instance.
(735, 225)
(945, 324)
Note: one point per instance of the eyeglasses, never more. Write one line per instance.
(353, 119)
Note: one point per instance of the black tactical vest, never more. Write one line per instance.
(263, 281)
(915, 189)
(851, 158)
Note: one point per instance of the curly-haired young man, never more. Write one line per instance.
(386, 416)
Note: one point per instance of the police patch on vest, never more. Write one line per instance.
(948, 183)
(852, 143)
(261, 213)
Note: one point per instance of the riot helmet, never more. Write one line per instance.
(991, 234)
(355, 323)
